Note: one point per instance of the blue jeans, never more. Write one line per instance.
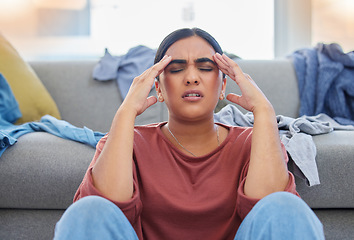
(278, 216)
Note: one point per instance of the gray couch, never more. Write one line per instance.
(41, 172)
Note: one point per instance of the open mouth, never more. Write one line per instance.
(192, 95)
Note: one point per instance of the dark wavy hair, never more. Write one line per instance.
(185, 33)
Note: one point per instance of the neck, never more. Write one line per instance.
(191, 130)
(196, 139)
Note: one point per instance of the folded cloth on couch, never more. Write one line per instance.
(326, 81)
(60, 128)
(295, 134)
(124, 68)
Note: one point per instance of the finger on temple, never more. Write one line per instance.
(233, 65)
(158, 68)
(220, 59)
(224, 67)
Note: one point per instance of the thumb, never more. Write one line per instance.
(233, 98)
(149, 102)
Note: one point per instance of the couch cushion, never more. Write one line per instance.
(337, 223)
(29, 224)
(33, 98)
(335, 162)
(42, 171)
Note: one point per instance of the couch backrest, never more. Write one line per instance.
(83, 101)
(277, 80)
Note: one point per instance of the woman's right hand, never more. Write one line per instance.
(137, 98)
(112, 173)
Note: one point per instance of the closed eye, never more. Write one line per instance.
(206, 69)
(176, 70)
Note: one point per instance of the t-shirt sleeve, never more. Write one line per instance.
(245, 204)
(130, 208)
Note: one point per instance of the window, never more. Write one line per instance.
(62, 29)
(333, 21)
(244, 28)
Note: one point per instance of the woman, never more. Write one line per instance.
(189, 178)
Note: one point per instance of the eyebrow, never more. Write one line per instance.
(202, 60)
(199, 60)
(178, 61)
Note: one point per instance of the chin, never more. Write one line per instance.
(195, 114)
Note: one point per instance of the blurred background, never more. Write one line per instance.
(252, 29)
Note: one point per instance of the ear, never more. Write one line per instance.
(223, 88)
(158, 91)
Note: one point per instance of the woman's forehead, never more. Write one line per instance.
(195, 47)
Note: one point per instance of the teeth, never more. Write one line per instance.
(193, 95)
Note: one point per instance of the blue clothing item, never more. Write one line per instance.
(326, 81)
(280, 215)
(124, 68)
(10, 112)
(9, 109)
(94, 217)
(9, 132)
(295, 134)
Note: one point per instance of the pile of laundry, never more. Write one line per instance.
(326, 81)
(296, 135)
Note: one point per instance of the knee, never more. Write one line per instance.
(287, 208)
(284, 201)
(280, 215)
(87, 217)
(89, 208)
(91, 201)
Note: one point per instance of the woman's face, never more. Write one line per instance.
(191, 84)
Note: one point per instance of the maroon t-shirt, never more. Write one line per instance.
(177, 196)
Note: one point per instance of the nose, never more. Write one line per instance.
(191, 77)
(189, 82)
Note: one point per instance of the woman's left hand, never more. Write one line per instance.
(251, 97)
(267, 172)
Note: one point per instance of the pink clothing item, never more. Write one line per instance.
(177, 196)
